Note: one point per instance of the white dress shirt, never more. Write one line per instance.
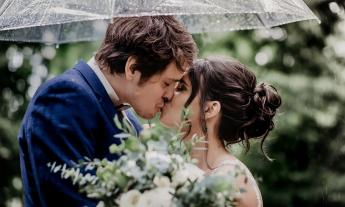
(112, 94)
(110, 90)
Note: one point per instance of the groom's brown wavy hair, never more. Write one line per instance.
(154, 42)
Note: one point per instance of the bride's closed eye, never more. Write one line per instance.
(180, 86)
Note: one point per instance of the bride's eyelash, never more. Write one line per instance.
(180, 87)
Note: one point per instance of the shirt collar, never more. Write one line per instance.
(110, 90)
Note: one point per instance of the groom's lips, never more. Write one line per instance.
(160, 107)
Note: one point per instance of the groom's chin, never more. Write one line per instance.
(144, 114)
(148, 116)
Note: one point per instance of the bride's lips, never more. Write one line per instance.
(159, 107)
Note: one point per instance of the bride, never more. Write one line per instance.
(226, 106)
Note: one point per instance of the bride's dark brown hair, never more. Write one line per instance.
(247, 108)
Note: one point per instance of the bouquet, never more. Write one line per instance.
(153, 170)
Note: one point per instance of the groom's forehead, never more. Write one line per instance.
(173, 73)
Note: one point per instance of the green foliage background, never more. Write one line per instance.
(306, 63)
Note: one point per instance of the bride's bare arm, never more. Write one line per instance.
(250, 196)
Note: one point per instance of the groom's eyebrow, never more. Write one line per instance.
(174, 80)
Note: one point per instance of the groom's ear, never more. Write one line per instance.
(130, 73)
(212, 109)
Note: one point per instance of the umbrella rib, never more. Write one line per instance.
(45, 11)
(60, 33)
(161, 2)
(112, 5)
(261, 20)
(62, 10)
(288, 5)
(215, 5)
(5, 6)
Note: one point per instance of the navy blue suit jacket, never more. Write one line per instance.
(69, 118)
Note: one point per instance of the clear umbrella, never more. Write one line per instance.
(60, 21)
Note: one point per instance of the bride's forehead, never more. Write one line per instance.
(185, 79)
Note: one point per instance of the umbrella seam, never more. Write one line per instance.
(173, 14)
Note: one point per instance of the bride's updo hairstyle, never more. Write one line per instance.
(247, 108)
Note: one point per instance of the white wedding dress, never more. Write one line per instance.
(249, 175)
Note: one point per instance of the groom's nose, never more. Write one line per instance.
(165, 100)
(169, 94)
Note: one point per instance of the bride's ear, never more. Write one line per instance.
(212, 109)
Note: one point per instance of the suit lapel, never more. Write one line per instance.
(97, 88)
(102, 95)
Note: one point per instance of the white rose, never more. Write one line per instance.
(130, 199)
(177, 158)
(190, 171)
(158, 197)
(100, 204)
(161, 181)
(158, 160)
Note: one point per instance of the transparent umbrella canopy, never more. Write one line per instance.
(62, 21)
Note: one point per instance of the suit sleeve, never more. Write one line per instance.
(60, 128)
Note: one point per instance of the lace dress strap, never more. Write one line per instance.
(248, 174)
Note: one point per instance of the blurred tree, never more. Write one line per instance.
(14, 71)
(304, 60)
(23, 67)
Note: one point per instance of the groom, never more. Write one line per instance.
(71, 116)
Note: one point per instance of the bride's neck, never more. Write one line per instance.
(209, 154)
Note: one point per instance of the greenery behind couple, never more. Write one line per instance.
(245, 49)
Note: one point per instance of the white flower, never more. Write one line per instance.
(161, 181)
(132, 170)
(100, 204)
(158, 197)
(157, 145)
(130, 199)
(177, 158)
(191, 172)
(158, 160)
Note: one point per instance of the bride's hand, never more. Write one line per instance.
(148, 126)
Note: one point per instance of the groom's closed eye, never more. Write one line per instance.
(171, 81)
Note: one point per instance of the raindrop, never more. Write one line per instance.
(21, 84)
(34, 80)
(36, 59)
(41, 71)
(11, 51)
(100, 27)
(288, 60)
(16, 61)
(48, 52)
(14, 202)
(278, 34)
(5, 153)
(17, 183)
(27, 51)
(334, 7)
(262, 58)
(7, 93)
(48, 36)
